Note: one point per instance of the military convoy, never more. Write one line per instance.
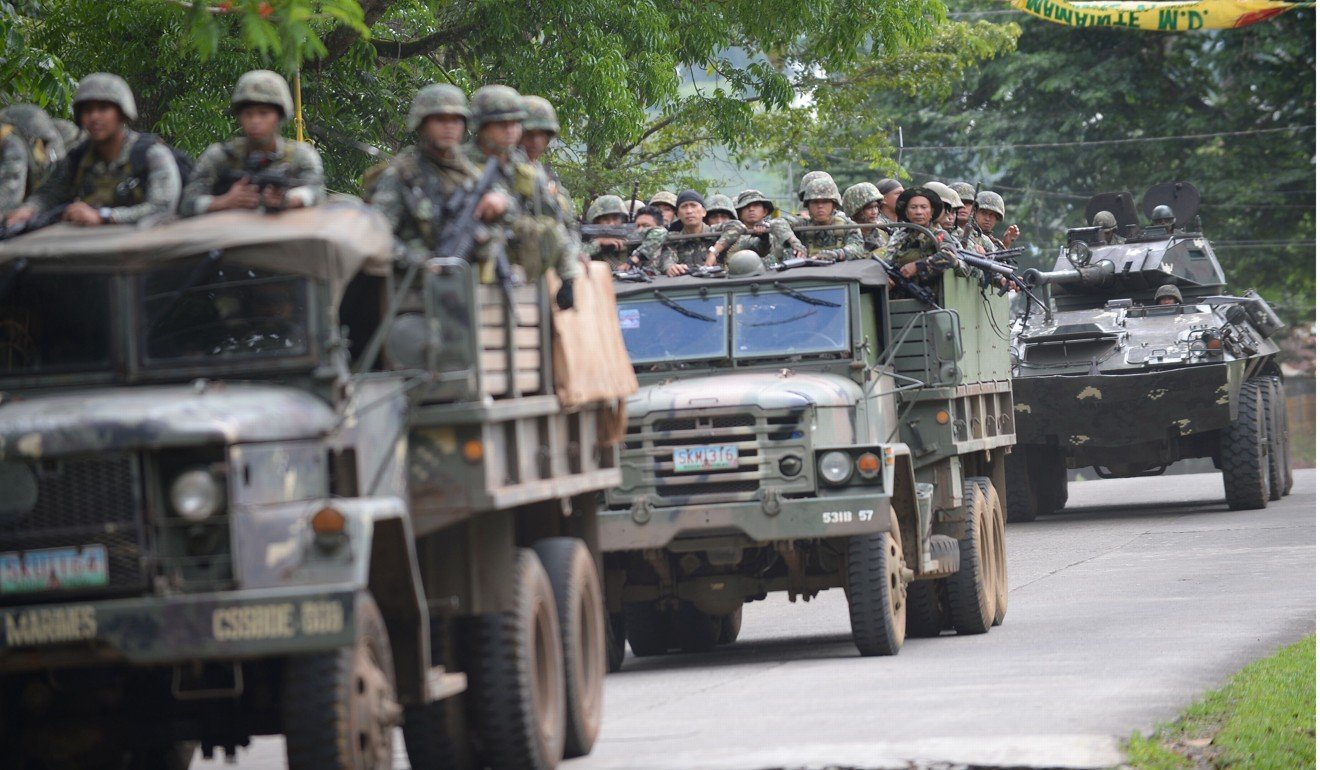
(257, 476)
(799, 430)
(1108, 378)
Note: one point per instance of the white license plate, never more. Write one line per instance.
(53, 569)
(695, 459)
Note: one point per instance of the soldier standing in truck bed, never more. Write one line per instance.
(822, 201)
(755, 230)
(861, 203)
(682, 256)
(915, 253)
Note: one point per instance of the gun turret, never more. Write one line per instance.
(1093, 277)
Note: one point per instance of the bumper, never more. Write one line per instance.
(836, 516)
(1121, 410)
(231, 625)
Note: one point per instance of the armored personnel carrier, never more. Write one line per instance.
(1112, 378)
(799, 430)
(258, 476)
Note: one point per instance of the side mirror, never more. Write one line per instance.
(944, 345)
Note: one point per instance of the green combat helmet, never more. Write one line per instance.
(966, 193)
(748, 197)
(105, 87)
(665, 197)
(491, 104)
(606, 204)
(987, 200)
(946, 193)
(1161, 215)
(261, 87)
(721, 203)
(744, 262)
(821, 189)
(1168, 290)
(540, 115)
(34, 124)
(1104, 220)
(437, 99)
(810, 177)
(859, 196)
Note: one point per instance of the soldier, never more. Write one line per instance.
(1108, 227)
(30, 144)
(682, 256)
(915, 254)
(822, 200)
(989, 213)
(890, 189)
(422, 177)
(667, 202)
(951, 203)
(754, 230)
(117, 175)
(540, 127)
(966, 194)
(607, 210)
(1168, 294)
(650, 226)
(1162, 216)
(540, 227)
(861, 203)
(720, 211)
(220, 181)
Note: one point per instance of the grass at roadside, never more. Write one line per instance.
(1264, 719)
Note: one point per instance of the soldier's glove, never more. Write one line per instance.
(564, 298)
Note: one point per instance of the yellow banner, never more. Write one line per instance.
(1158, 17)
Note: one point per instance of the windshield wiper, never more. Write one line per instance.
(800, 297)
(677, 308)
(195, 277)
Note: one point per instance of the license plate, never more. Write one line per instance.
(694, 459)
(53, 569)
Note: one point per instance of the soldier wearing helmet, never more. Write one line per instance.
(117, 175)
(416, 184)
(1108, 227)
(1168, 294)
(30, 145)
(967, 195)
(221, 180)
(952, 203)
(540, 127)
(889, 189)
(720, 211)
(989, 213)
(754, 230)
(667, 202)
(1162, 216)
(823, 204)
(543, 229)
(607, 210)
(917, 255)
(861, 203)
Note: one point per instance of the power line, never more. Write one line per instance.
(1096, 142)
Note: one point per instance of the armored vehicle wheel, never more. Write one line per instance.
(1244, 452)
(518, 688)
(436, 734)
(616, 631)
(694, 630)
(340, 708)
(1276, 429)
(972, 588)
(730, 626)
(1021, 489)
(876, 584)
(648, 628)
(1285, 435)
(578, 597)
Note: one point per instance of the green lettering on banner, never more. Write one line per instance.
(1195, 20)
(1168, 20)
(1102, 21)
(1132, 20)
(1063, 14)
(1080, 19)
(1034, 6)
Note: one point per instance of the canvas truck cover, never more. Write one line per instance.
(590, 360)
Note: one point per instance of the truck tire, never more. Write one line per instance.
(999, 551)
(876, 585)
(648, 628)
(340, 708)
(731, 626)
(694, 630)
(1244, 452)
(972, 588)
(1021, 489)
(518, 692)
(926, 615)
(579, 599)
(1276, 430)
(616, 631)
(436, 735)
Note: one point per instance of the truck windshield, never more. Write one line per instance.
(207, 310)
(675, 329)
(53, 323)
(790, 321)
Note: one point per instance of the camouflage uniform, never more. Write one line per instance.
(110, 184)
(30, 143)
(541, 116)
(594, 249)
(858, 197)
(838, 245)
(650, 253)
(738, 237)
(209, 180)
(907, 246)
(690, 251)
(13, 173)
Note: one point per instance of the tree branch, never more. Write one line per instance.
(404, 49)
(341, 39)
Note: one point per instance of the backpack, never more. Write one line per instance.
(138, 170)
(38, 159)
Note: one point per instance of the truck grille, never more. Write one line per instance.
(761, 440)
(84, 501)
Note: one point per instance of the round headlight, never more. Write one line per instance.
(835, 467)
(195, 494)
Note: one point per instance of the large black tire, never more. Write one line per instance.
(616, 630)
(876, 586)
(1285, 435)
(518, 684)
(1021, 486)
(694, 630)
(971, 589)
(731, 626)
(579, 598)
(1244, 451)
(340, 708)
(437, 735)
(648, 629)
(1272, 394)
(927, 615)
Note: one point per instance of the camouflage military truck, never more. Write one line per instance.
(255, 479)
(800, 430)
(1110, 378)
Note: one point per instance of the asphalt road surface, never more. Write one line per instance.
(1142, 594)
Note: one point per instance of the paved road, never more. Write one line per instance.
(1140, 595)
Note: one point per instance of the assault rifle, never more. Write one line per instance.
(990, 264)
(623, 232)
(262, 170)
(461, 230)
(634, 274)
(907, 285)
(44, 219)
